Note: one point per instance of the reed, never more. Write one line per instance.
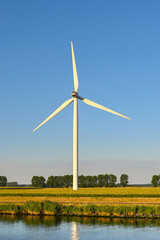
(54, 208)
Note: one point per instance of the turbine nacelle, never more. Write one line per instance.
(75, 94)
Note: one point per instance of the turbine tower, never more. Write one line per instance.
(74, 99)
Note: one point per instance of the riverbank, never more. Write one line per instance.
(56, 209)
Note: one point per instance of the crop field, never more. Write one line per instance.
(126, 191)
(119, 195)
(85, 192)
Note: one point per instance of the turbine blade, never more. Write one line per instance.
(65, 104)
(75, 76)
(93, 104)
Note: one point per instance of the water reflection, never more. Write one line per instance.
(75, 228)
(49, 221)
(75, 231)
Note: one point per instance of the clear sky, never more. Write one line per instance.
(117, 51)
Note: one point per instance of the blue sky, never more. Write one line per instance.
(117, 53)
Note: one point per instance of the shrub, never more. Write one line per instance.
(10, 208)
(52, 207)
(89, 208)
(33, 207)
(109, 209)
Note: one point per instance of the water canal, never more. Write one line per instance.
(75, 228)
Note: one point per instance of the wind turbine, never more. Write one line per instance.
(74, 99)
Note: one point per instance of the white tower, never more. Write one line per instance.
(75, 98)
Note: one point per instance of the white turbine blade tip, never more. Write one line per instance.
(96, 105)
(75, 76)
(64, 105)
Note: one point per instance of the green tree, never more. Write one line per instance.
(38, 181)
(71, 180)
(102, 180)
(124, 180)
(34, 181)
(112, 180)
(155, 180)
(82, 181)
(94, 181)
(50, 182)
(59, 181)
(88, 181)
(67, 180)
(106, 180)
(159, 180)
(42, 182)
(3, 181)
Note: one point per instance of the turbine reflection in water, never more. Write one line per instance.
(75, 231)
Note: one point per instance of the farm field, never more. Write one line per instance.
(115, 202)
(81, 200)
(85, 191)
(119, 195)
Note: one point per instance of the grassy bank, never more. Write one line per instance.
(54, 208)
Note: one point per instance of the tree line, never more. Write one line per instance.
(102, 180)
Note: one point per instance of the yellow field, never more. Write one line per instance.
(83, 199)
(93, 200)
(118, 190)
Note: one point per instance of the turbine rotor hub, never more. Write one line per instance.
(75, 94)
